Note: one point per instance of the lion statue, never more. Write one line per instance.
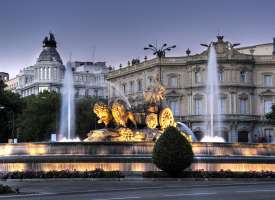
(121, 115)
(103, 113)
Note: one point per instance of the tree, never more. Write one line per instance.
(172, 152)
(10, 107)
(271, 115)
(40, 117)
(86, 119)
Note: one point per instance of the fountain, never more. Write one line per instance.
(121, 95)
(127, 141)
(213, 91)
(67, 120)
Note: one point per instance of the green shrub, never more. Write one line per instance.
(172, 152)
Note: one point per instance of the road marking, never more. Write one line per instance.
(119, 198)
(190, 194)
(248, 191)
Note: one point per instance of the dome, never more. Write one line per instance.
(49, 54)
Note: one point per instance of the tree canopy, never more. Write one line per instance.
(10, 108)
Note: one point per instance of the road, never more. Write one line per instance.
(123, 190)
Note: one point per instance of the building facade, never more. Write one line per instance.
(247, 89)
(48, 73)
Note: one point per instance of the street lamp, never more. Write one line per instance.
(160, 53)
(12, 113)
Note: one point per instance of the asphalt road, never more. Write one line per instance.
(120, 190)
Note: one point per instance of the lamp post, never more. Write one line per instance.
(160, 53)
(12, 114)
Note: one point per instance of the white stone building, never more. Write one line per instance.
(247, 89)
(48, 74)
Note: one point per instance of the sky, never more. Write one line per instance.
(116, 31)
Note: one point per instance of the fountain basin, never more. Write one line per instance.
(130, 156)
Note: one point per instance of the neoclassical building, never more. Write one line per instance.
(247, 89)
(48, 74)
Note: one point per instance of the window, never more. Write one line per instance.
(150, 80)
(198, 106)
(174, 105)
(173, 82)
(243, 76)
(113, 91)
(267, 80)
(221, 106)
(243, 136)
(197, 77)
(243, 106)
(132, 87)
(139, 85)
(124, 87)
(267, 106)
(268, 132)
(220, 76)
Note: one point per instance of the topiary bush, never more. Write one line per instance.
(172, 152)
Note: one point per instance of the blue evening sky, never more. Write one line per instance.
(116, 31)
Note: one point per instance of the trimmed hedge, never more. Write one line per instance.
(98, 173)
(172, 152)
(208, 174)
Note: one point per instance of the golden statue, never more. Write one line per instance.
(103, 113)
(156, 119)
(166, 118)
(151, 120)
(156, 95)
(120, 114)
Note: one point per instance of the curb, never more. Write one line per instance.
(141, 179)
